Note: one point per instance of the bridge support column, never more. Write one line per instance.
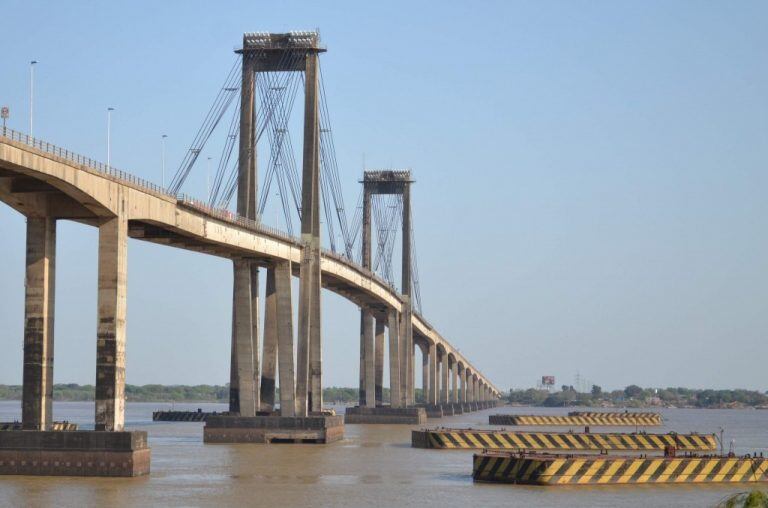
(365, 324)
(444, 381)
(369, 372)
(379, 362)
(315, 395)
(37, 392)
(284, 315)
(433, 381)
(395, 393)
(269, 356)
(242, 390)
(110, 336)
(408, 351)
(455, 382)
(425, 373)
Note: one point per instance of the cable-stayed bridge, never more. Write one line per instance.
(47, 183)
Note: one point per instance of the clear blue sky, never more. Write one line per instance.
(591, 177)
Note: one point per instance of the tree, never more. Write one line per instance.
(596, 391)
(633, 391)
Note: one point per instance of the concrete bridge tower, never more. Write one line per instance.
(252, 388)
(401, 344)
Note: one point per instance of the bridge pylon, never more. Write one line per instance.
(252, 397)
(371, 408)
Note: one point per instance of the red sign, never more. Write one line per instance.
(548, 380)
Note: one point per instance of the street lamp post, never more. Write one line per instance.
(109, 136)
(31, 96)
(162, 155)
(208, 181)
(4, 113)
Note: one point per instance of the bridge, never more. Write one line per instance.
(47, 183)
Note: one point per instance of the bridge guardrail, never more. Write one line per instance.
(52, 149)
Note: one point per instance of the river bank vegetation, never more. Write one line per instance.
(635, 396)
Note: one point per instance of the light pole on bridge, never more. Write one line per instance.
(31, 96)
(162, 155)
(109, 135)
(208, 181)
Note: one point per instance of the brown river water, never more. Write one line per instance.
(373, 466)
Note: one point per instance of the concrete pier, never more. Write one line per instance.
(444, 395)
(37, 394)
(74, 453)
(284, 320)
(386, 415)
(369, 372)
(321, 429)
(379, 362)
(395, 383)
(434, 410)
(110, 337)
(433, 380)
(269, 356)
(242, 385)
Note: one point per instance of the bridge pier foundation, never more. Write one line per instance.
(315, 428)
(386, 415)
(74, 453)
(434, 410)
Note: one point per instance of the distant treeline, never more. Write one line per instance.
(635, 396)
(135, 393)
(169, 393)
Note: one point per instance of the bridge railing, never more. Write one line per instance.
(46, 147)
(140, 183)
(229, 216)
